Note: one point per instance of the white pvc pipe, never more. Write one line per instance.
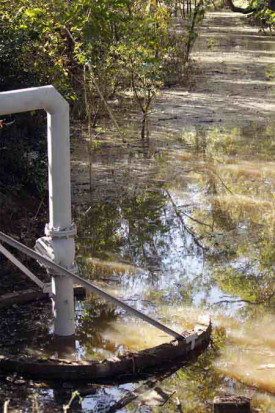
(47, 98)
(63, 292)
(59, 231)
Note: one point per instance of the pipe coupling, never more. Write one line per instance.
(68, 232)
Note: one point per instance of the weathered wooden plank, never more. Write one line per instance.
(21, 297)
(29, 295)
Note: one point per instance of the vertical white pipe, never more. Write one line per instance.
(62, 288)
(59, 170)
(60, 217)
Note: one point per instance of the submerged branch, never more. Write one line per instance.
(236, 301)
(221, 180)
(196, 220)
(265, 300)
(178, 214)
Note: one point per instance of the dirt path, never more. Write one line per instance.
(235, 82)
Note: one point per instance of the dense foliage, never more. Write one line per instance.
(261, 12)
(92, 51)
(117, 43)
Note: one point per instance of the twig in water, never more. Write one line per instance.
(66, 407)
(259, 302)
(196, 220)
(236, 301)
(218, 176)
(197, 242)
(39, 207)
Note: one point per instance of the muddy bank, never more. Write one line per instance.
(235, 78)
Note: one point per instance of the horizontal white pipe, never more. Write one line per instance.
(34, 98)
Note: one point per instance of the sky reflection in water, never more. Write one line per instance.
(195, 231)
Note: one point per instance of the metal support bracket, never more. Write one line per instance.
(23, 268)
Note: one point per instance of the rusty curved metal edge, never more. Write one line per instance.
(129, 365)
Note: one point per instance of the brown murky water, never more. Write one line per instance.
(182, 226)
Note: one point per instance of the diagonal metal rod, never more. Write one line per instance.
(22, 267)
(89, 286)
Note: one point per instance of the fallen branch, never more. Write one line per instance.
(236, 301)
(222, 182)
(196, 220)
(258, 302)
(66, 407)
